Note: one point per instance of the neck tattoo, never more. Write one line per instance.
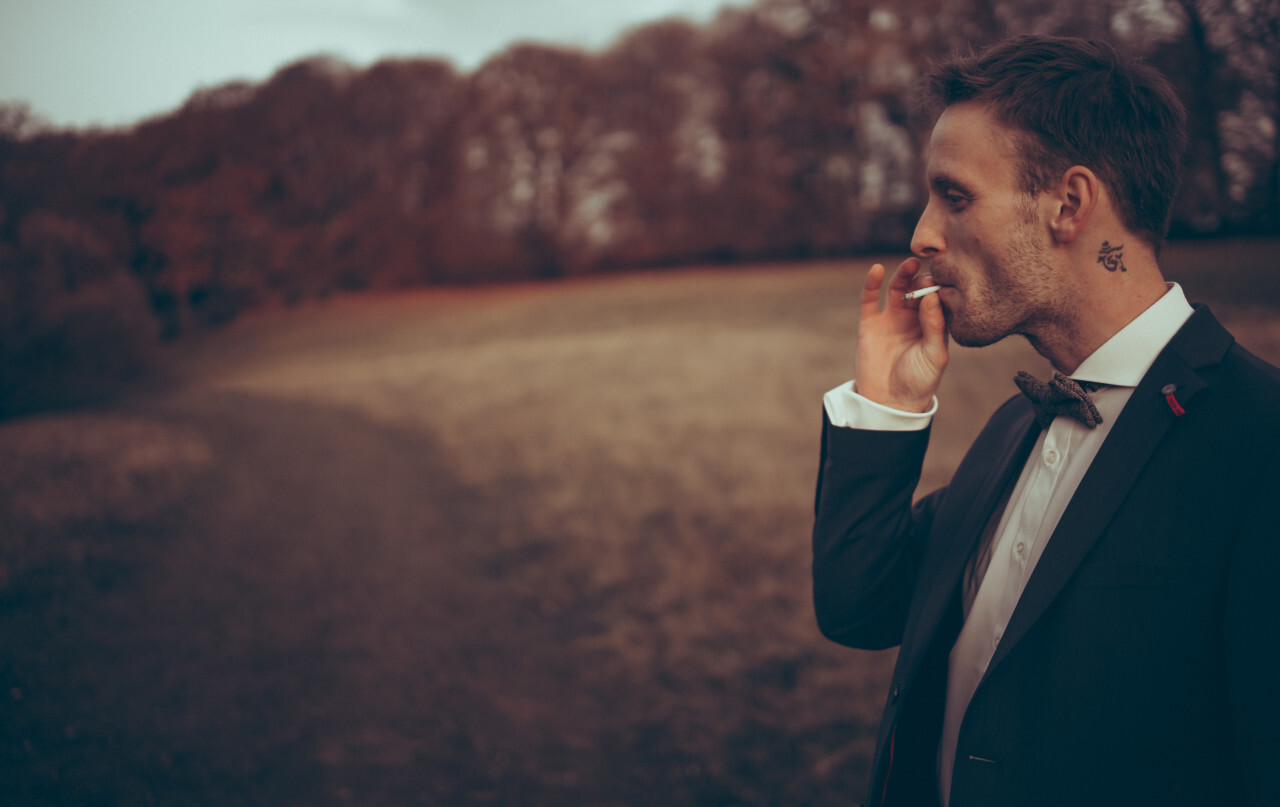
(1112, 258)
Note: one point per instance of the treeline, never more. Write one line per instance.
(783, 130)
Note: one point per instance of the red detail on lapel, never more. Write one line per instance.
(1178, 411)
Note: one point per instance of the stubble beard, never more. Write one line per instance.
(1013, 293)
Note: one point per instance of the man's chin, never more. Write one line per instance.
(965, 335)
(975, 342)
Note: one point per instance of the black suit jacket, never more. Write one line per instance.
(1140, 665)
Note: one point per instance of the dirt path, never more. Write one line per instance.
(315, 620)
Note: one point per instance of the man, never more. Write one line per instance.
(1088, 613)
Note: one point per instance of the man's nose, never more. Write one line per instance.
(926, 241)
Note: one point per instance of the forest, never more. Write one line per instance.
(783, 130)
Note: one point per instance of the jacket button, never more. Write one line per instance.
(897, 690)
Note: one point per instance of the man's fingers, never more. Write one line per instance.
(933, 327)
(870, 301)
(901, 282)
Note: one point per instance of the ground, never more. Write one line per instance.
(532, 545)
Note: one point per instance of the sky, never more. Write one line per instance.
(113, 62)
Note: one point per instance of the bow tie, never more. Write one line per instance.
(1061, 396)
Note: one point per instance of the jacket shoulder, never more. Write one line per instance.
(1248, 384)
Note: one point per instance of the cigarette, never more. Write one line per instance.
(918, 293)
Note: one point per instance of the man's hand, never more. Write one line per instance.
(902, 350)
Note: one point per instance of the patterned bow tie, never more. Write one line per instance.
(1061, 396)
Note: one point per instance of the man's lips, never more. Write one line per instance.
(930, 277)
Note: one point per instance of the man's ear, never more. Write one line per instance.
(1074, 201)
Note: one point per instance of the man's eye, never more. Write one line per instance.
(956, 201)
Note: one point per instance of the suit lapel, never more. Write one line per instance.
(1142, 424)
(999, 468)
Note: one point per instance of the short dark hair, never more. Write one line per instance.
(1078, 102)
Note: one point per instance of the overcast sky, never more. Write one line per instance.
(112, 62)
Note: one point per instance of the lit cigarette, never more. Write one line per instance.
(918, 293)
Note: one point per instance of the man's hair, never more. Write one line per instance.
(1078, 102)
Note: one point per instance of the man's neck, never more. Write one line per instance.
(1111, 288)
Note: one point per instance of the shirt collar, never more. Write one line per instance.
(1124, 359)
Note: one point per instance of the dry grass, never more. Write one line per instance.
(564, 528)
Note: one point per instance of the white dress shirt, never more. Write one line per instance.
(998, 572)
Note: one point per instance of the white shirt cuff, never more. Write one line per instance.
(848, 409)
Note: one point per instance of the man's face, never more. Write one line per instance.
(982, 236)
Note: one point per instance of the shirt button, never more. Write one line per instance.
(1051, 457)
(1020, 548)
(995, 641)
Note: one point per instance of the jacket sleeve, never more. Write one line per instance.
(868, 538)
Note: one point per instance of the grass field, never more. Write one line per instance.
(533, 545)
